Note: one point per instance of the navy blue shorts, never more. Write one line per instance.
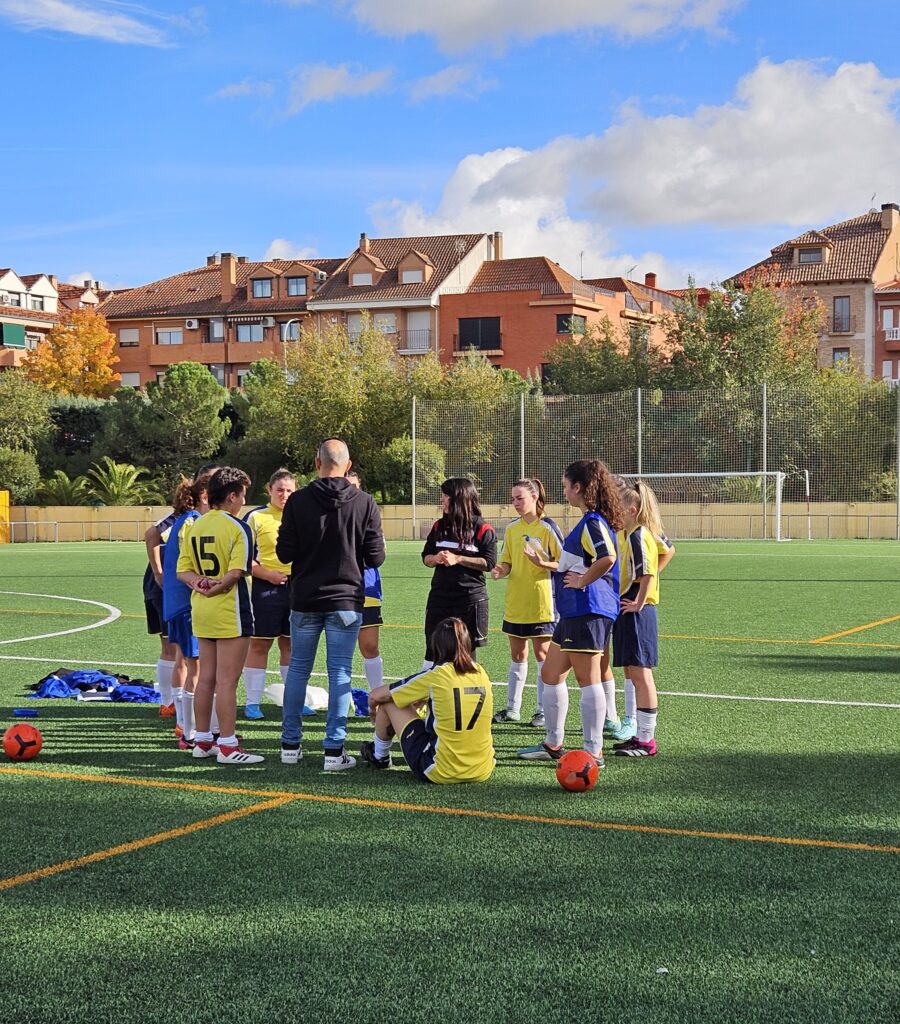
(418, 746)
(271, 609)
(181, 632)
(635, 639)
(526, 630)
(153, 610)
(583, 634)
(372, 616)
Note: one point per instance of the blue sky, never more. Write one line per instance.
(682, 136)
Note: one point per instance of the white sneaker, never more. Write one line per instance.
(289, 756)
(234, 755)
(203, 749)
(339, 763)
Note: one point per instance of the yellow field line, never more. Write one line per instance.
(139, 844)
(463, 812)
(855, 629)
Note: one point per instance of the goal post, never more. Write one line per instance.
(719, 506)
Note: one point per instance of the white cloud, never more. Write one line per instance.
(247, 87)
(96, 20)
(322, 83)
(282, 249)
(465, 23)
(79, 279)
(454, 80)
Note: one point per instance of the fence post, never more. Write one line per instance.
(765, 460)
(640, 438)
(414, 467)
(522, 435)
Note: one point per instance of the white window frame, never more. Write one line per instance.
(819, 253)
(170, 333)
(131, 382)
(217, 328)
(296, 282)
(887, 319)
(360, 278)
(129, 337)
(36, 302)
(261, 281)
(412, 276)
(289, 333)
(887, 369)
(251, 329)
(218, 372)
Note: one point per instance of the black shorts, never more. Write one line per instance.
(271, 609)
(372, 616)
(153, 610)
(635, 639)
(583, 634)
(418, 745)
(526, 630)
(475, 616)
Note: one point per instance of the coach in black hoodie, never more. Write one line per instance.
(329, 531)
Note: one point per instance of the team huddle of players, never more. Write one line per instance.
(219, 597)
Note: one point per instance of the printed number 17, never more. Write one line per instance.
(457, 704)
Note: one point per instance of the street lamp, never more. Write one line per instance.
(287, 337)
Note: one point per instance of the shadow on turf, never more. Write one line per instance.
(852, 665)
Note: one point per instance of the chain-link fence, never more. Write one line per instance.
(834, 445)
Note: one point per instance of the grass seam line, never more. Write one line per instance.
(855, 629)
(140, 844)
(467, 812)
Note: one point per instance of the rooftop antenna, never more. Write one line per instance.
(872, 201)
(581, 274)
(631, 269)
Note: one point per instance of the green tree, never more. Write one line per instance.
(76, 425)
(61, 489)
(19, 474)
(118, 483)
(24, 412)
(600, 360)
(258, 444)
(391, 469)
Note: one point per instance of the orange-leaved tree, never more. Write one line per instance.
(76, 357)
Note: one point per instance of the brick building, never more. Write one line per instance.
(28, 310)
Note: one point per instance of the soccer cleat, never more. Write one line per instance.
(184, 744)
(538, 721)
(253, 712)
(203, 748)
(626, 730)
(339, 762)
(291, 755)
(611, 727)
(367, 753)
(506, 715)
(601, 764)
(236, 756)
(635, 748)
(540, 752)
(167, 711)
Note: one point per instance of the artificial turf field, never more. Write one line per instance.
(756, 859)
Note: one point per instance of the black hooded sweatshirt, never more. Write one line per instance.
(329, 531)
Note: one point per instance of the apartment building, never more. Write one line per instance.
(28, 310)
(850, 267)
(225, 315)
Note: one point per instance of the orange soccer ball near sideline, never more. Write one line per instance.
(22, 742)
(577, 771)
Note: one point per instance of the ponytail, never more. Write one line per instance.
(536, 488)
(642, 496)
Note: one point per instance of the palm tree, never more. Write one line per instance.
(61, 489)
(120, 483)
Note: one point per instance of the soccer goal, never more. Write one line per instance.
(719, 506)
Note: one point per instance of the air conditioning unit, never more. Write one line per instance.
(268, 321)
(321, 275)
(192, 325)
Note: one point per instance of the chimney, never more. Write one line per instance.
(650, 279)
(211, 261)
(54, 280)
(229, 276)
(890, 216)
(243, 259)
(363, 242)
(497, 239)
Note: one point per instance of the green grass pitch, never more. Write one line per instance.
(374, 909)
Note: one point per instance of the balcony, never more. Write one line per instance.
(892, 334)
(411, 343)
(488, 347)
(840, 324)
(191, 351)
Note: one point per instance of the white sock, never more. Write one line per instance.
(609, 691)
(254, 684)
(187, 713)
(178, 701)
(382, 747)
(202, 737)
(556, 707)
(540, 688)
(283, 669)
(214, 718)
(164, 670)
(426, 665)
(593, 715)
(646, 725)
(374, 669)
(228, 741)
(630, 699)
(515, 684)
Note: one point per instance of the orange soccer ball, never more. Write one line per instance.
(577, 771)
(22, 742)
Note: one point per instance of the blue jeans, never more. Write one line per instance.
(341, 631)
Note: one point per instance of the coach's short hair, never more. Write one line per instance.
(333, 452)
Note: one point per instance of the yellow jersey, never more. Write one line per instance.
(217, 544)
(639, 554)
(264, 523)
(529, 589)
(460, 708)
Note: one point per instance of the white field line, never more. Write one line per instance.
(529, 686)
(114, 614)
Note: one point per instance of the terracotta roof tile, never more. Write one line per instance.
(29, 314)
(526, 274)
(609, 284)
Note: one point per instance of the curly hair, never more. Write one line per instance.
(598, 490)
(183, 498)
(225, 481)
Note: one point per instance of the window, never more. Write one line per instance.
(250, 332)
(841, 318)
(130, 380)
(887, 319)
(262, 288)
(37, 302)
(385, 322)
(840, 357)
(32, 340)
(130, 336)
(359, 279)
(13, 299)
(160, 377)
(296, 285)
(217, 329)
(411, 277)
(290, 330)
(887, 369)
(480, 332)
(639, 338)
(570, 323)
(218, 371)
(170, 336)
(242, 377)
(809, 255)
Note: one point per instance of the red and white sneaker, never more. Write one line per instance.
(635, 748)
(237, 756)
(204, 748)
